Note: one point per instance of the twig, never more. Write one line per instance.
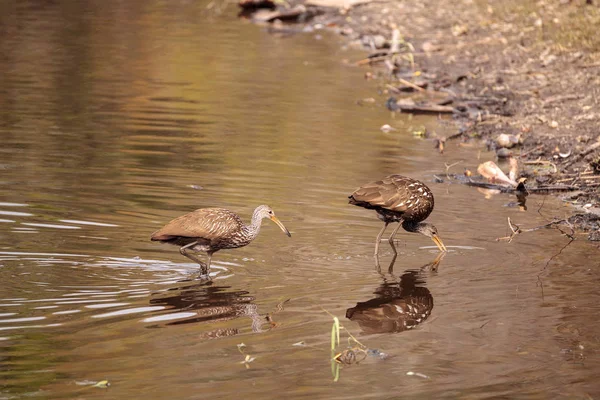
(554, 99)
(455, 135)
(532, 150)
(539, 276)
(566, 180)
(516, 230)
(584, 153)
(542, 162)
(395, 45)
(370, 60)
(392, 88)
(539, 210)
(450, 166)
(412, 85)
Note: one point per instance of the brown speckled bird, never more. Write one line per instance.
(213, 229)
(398, 198)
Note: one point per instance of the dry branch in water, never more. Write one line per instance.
(516, 230)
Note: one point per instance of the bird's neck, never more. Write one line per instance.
(411, 226)
(254, 227)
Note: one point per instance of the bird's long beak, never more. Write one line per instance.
(436, 239)
(283, 228)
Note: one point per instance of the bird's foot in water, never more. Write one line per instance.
(204, 271)
(204, 276)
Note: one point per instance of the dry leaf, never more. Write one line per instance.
(514, 169)
(494, 174)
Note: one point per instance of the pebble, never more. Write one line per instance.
(386, 128)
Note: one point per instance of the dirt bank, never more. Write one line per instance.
(528, 70)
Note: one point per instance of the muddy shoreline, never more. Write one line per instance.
(523, 80)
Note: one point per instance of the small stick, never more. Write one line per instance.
(516, 230)
(532, 150)
(392, 88)
(372, 60)
(395, 45)
(412, 85)
(542, 162)
(450, 166)
(584, 153)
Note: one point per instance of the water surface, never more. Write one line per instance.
(116, 117)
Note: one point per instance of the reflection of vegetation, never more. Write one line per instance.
(98, 105)
(27, 363)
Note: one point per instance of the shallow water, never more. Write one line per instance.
(117, 117)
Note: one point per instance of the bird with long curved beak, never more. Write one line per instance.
(398, 198)
(212, 229)
(436, 239)
(280, 224)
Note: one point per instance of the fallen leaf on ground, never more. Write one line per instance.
(514, 169)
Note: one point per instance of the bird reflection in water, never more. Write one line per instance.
(399, 305)
(199, 303)
(521, 200)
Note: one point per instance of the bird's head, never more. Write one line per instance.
(428, 230)
(267, 212)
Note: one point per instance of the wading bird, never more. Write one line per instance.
(212, 229)
(398, 198)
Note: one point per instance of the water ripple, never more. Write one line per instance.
(15, 213)
(75, 221)
(129, 311)
(50, 225)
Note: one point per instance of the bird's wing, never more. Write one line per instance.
(206, 223)
(388, 193)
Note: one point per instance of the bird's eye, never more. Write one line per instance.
(270, 212)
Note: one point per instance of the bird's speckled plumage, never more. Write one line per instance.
(398, 198)
(216, 228)
(213, 229)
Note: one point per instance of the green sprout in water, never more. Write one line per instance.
(353, 354)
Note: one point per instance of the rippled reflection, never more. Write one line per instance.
(399, 304)
(206, 302)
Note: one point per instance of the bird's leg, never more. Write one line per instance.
(391, 267)
(391, 239)
(379, 239)
(193, 257)
(209, 254)
(206, 268)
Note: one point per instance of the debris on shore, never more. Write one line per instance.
(498, 75)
